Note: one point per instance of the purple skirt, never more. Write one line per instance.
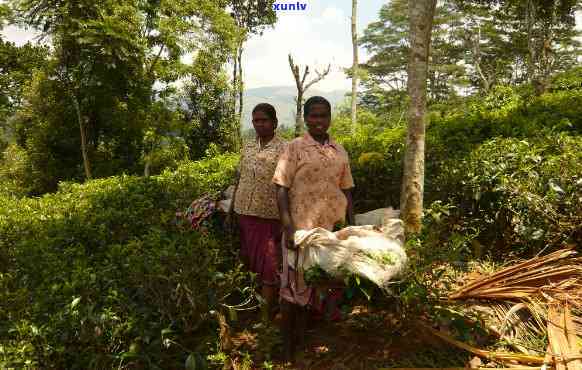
(261, 247)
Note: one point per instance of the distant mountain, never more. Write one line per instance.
(283, 99)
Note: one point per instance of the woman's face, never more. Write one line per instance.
(318, 120)
(264, 126)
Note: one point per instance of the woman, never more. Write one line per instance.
(314, 183)
(255, 202)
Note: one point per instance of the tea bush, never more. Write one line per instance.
(520, 195)
(98, 275)
(481, 158)
(376, 162)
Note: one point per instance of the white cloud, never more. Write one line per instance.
(331, 14)
(313, 39)
(19, 36)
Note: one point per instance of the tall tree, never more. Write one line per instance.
(512, 41)
(208, 115)
(251, 17)
(115, 58)
(387, 42)
(17, 64)
(355, 62)
(475, 46)
(302, 87)
(421, 15)
(551, 37)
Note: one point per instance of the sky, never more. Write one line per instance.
(319, 35)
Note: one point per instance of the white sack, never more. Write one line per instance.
(363, 250)
(377, 217)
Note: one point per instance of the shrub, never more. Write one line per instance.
(519, 195)
(16, 175)
(98, 276)
(375, 158)
(509, 190)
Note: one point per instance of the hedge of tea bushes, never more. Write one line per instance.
(98, 275)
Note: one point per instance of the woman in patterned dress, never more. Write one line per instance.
(255, 202)
(314, 183)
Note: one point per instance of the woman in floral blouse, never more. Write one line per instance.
(256, 205)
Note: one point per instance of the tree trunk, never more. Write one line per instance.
(235, 79)
(299, 114)
(546, 55)
(86, 163)
(530, 17)
(421, 15)
(241, 83)
(237, 95)
(146, 170)
(477, 60)
(355, 65)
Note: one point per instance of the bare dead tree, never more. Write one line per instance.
(302, 88)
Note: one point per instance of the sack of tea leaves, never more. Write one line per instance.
(375, 254)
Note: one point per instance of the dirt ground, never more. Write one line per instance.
(365, 339)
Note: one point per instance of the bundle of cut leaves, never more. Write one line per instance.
(534, 307)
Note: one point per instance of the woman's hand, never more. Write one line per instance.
(286, 220)
(350, 207)
(290, 237)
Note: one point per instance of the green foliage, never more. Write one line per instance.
(253, 16)
(375, 153)
(474, 47)
(209, 116)
(117, 61)
(16, 175)
(98, 275)
(502, 170)
(16, 66)
(522, 195)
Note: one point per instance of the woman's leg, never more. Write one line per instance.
(288, 313)
(301, 317)
(270, 294)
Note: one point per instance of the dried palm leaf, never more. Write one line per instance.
(496, 356)
(563, 342)
(556, 274)
(463, 368)
(572, 340)
(549, 290)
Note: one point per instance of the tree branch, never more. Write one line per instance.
(320, 76)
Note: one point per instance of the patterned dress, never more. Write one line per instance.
(316, 176)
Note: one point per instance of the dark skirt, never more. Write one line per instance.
(260, 247)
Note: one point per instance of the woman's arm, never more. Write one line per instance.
(350, 209)
(285, 215)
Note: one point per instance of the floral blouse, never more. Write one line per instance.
(316, 174)
(256, 194)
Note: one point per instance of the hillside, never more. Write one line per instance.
(282, 97)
